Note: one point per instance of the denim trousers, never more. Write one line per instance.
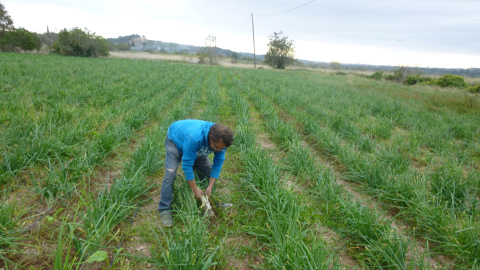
(202, 168)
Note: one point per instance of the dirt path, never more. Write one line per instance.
(181, 58)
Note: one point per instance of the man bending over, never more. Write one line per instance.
(190, 142)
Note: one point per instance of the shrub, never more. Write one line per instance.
(378, 75)
(390, 77)
(280, 51)
(335, 66)
(19, 39)
(401, 74)
(79, 43)
(450, 80)
(411, 80)
(474, 89)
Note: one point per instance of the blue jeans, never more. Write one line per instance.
(202, 167)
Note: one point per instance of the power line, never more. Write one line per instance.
(269, 15)
(253, 30)
(245, 23)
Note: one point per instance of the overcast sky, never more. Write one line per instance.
(425, 33)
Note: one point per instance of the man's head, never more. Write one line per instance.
(220, 137)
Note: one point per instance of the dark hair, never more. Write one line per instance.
(221, 133)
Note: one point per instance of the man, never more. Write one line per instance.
(190, 142)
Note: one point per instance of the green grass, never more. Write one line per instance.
(386, 168)
(64, 120)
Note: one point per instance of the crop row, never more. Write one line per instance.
(112, 206)
(286, 237)
(446, 212)
(190, 244)
(61, 119)
(386, 249)
(100, 213)
(73, 128)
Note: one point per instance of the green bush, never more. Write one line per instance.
(378, 75)
(474, 89)
(401, 74)
(79, 43)
(19, 39)
(450, 80)
(411, 80)
(447, 80)
(390, 77)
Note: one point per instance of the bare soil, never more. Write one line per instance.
(224, 62)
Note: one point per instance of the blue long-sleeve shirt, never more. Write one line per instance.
(191, 138)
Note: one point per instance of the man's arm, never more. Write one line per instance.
(211, 182)
(188, 159)
(218, 159)
(198, 192)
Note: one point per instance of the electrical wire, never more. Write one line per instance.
(241, 28)
(283, 12)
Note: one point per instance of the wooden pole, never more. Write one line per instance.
(254, 57)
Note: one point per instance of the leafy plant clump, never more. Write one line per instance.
(76, 42)
(474, 89)
(401, 74)
(447, 80)
(281, 51)
(450, 80)
(378, 75)
(417, 79)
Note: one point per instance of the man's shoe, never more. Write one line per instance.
(166, 219)
(223, 205)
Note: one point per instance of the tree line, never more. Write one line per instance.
(75, 42)
(13, 39)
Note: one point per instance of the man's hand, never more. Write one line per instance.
(198, 193)
(208, 191)
(211, 182)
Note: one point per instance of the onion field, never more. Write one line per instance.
(327, 170)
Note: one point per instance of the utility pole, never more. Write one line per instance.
(215, 50)
(254, 57)
(211, 40)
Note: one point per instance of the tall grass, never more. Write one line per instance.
(111, 206)
(384, 249)
(384, 163)
(68, 113)
(60, 118)
(8, 225)
(187, 247)
(282, 231)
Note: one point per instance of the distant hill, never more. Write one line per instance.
(140, 43)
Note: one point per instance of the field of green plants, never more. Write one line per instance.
(327, 171)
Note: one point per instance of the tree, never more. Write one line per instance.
(19, 39)
(235, 57)
(76, 42)
(12, 39)
(48, 38)
(280, 51)
(450, 80)
(335, 65)
(6, 23)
